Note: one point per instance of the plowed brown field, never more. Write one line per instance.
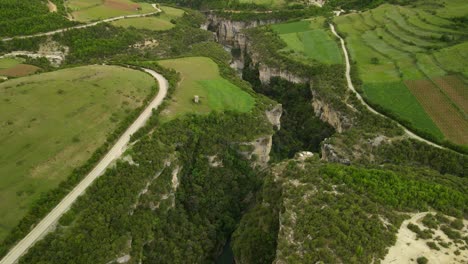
(456, 89)
(19, 70)
(449, 120)
(121, 5)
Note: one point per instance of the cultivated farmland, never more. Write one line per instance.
(90, 10)
(200, 76)
(309, 40)
(411, 60)
(157, 23)
(51, 123)
(10, 67)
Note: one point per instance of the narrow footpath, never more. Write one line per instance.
(351, 87)
(49, 221)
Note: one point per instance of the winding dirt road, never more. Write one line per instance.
(48, 222)
(351, 87)
(158, 10)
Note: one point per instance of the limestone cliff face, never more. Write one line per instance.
(327, 113)
(227, 30)
(274, 116)
(266, 73)
(258, 151)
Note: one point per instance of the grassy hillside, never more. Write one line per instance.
(309, 40)
(89, 10)
(200, 76)
(51, 123)
(413, 55)
(160, 22)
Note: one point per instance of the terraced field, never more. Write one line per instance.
(412, 61)
(157, 23)
(91, 10)
(52, 123)
(200, 76)
(310, 40)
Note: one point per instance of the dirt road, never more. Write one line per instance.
(351, 87)
(51, 219)
(158, 10)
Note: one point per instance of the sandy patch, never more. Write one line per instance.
(407, 248)
(52, 7)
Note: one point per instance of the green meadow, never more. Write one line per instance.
(51, 123)
(156, 23)
(200, 76)
(309, 40)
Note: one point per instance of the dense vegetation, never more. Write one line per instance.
(193, 227)
(29, 17)
(343, 207)
(300, 131)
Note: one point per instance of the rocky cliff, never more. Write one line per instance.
(227, 30)
(328, 113)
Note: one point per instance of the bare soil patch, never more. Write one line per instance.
(449, 120)
(52, 7)
(19, 70)
(116, 4)
(456, 89)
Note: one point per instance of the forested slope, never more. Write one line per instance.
(334, 213)
(29, 17)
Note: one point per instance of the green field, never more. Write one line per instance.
(395, 96)
(156, 23)
(53, 122)
(90, 10)
(200, 76)
(6, 63)
(14, 67)
(308, 40)
(393, 44)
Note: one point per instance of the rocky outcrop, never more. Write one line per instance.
(266, 73)
(227, 30)
(258, 151)
(274, 116)
(327, 113)
(331, 155)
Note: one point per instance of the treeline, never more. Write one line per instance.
(30, 17)
(332, 213)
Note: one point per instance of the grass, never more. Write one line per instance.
(308, 39)
(90, 10)
(6, 63)
(13, 67)
(156, 23)
(391, 45)
(396, 97)
(200, 76)
(51, 123)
